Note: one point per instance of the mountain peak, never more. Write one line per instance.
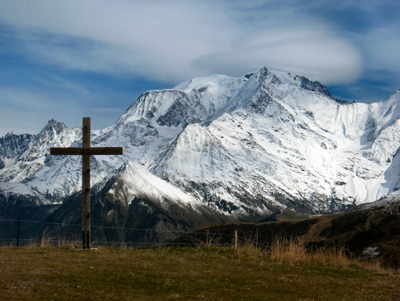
(203, 99)
(52, 128)
(54, 124)
(268, 77)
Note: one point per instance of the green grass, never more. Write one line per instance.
(50, 273)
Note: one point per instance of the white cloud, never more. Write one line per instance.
(152, 37)
(174, 40)
(312, 53)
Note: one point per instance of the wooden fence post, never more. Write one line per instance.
(236, 239)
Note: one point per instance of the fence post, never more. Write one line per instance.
(256, 238)
(236, 239)
(19, 225)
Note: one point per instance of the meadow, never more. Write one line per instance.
(284, 272)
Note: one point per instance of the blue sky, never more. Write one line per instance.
(69, 59)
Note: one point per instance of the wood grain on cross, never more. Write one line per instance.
(86, 151)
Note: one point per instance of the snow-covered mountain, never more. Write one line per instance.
(242, 147)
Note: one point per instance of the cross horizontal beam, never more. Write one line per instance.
(86, 151)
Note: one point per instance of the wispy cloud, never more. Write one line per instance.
(174, 40)
(328, 59)
(73, 52)
(157, 39)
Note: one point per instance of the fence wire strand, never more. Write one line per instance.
(55, 242)
(116, 228)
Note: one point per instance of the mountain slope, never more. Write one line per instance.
(134, 206)
(241, 147)
(287, 146)
(365, 233)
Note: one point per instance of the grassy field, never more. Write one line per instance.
(209, 273)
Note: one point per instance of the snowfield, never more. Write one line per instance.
(242, 146)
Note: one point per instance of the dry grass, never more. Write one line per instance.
(286, 272)
(293, 252)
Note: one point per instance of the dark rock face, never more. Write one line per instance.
(314, 86)
(261, 104)
(176, 115)
(12, 145)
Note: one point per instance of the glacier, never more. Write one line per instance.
(240, 146)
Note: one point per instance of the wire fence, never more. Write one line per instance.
(15, 231)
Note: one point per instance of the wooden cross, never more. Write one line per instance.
(86, 151)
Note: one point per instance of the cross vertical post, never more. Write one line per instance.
(86, 184)
(86, 151)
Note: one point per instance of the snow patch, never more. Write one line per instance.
(139, 182)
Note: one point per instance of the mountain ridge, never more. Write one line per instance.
(242, 147)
